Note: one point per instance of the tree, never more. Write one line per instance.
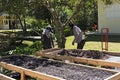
(43, 13)
(87, 15)
(18, 8)
(60, 7)
(62, 12)
(58, 10)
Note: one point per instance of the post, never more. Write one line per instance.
(1, 69)
(22, 75)
(104, 38)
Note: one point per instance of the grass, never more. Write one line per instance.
(93, 42)
(29, 43)
(68, 44)
(10, 30)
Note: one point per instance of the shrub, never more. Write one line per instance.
(28, 50)
(68, 32)
(37, 45)
(25, 50)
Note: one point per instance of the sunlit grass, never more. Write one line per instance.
(115, 47)
(11, 30)
(68, 44)
(29, 43)
(94, 43)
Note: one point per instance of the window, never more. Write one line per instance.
(7, 17)
(5, 22)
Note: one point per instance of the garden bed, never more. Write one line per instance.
(4, 77)
(92, 57)
(67, 71)
(94, 54)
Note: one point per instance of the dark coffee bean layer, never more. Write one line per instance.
(62, 70)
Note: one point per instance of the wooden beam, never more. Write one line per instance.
(112, 53)
(4, 77)
(104, 52)
(29, 72)
(96, 62)
(45, 51)
(114, 77)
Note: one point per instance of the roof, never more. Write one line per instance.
(3, 14)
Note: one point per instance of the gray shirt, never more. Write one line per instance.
(77, 34)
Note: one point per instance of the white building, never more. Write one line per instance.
(7, 21)
(109, 16)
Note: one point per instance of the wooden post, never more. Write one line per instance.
(104, 38)
(71, 59)
(22, 75)
(1, 69)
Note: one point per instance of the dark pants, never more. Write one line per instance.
(81, 44)
(47, 42)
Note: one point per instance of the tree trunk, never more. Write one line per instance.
(59, 26)
(59, 29)
(59, 33)
(23, 26)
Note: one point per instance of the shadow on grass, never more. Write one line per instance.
(97, 38)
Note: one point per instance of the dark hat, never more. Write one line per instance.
(71, 25)
(49, 28)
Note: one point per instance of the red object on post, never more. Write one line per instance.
(104, 38)
(94, 27)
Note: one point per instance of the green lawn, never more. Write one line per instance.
(93, 42)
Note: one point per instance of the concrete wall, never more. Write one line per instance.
(109, 17)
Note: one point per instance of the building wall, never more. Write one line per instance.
(6, 22)
(109, 17)
(1, 22)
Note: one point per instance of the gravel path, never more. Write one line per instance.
(62, 70)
